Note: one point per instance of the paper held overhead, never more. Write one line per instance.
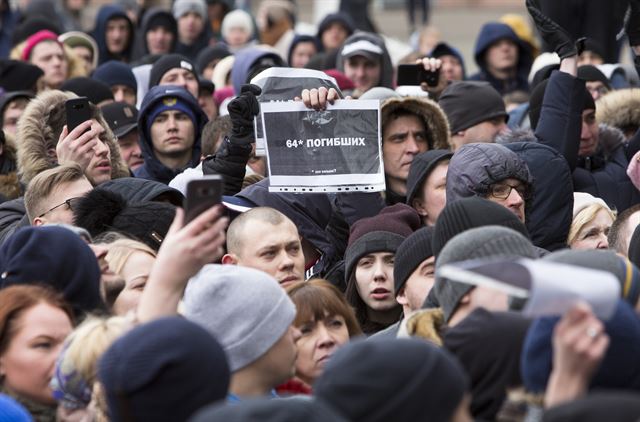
(549, 288)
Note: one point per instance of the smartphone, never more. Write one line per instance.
(414, 75)
(202, 194)
(78, 111)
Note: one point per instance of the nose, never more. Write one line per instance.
(325, 339)
(603, 242)
(411, 146)
(286, 262)
(514, 199)
(101, 148)
(378, 272)
(585, 133)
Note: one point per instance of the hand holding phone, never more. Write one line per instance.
(78, 111)
(202, 194)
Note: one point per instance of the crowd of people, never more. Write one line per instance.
(316, 306)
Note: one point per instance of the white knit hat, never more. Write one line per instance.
(582, 200)
(246, 310)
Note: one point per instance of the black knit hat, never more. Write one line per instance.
(421, 167)
(31, 25)
(94, 90)
(590, 73)
(10, 96)
(16, 75)
(100, 211)
(410, 254)
(209, 54)
(537, 95)
(468, 213)
(168, 62)
(468, 103)
(115, 73)
(381, 233)
(164, 370)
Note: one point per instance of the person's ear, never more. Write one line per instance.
(401, 298)
(230, 259)
(38, 222)
(418, 206)
(466, 299)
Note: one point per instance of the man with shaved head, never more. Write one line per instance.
(265, 239)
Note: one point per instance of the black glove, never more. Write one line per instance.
(242, 111)
(632, 23)
(553, 34)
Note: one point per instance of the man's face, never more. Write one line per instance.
(208, 104)
(334, 36)
(589, 135)
(130, 149)
(274, 249)
(433, 197)
(181, 77)
(159, 40)
(280, 360)
(510, 193)
(117, 35)
(502, 55)
(403, 138)
(597, 89)
(451, 68)
(374, 280)
(486, 131)
(419, 284)
(49, 56)
(190, 25)
(124, 93)
(64, 192)
(302, 53)
(12, 113)
(364, 72)
(99, 168)
(172, 133)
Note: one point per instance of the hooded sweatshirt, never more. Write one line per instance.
(245, 59)
(386, 70)
(107, 13)
(141, 48)
(491, 33)
(152, 168)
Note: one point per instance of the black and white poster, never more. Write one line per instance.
(336, 150)
(284, 84)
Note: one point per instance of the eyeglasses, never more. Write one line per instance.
(71, 203)
(502, 191)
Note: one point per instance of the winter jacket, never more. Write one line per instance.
(107, 13)
(489, 34)
(13, 216)
(603, 175)
(230, 162)
(35, 137)
(386, 70)
(152, 168)
(10, 186)
(140, 190)
(8, 19)
(191, 51)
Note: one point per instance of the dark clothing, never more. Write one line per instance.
(8, 20)
(107, 13)
(191, 51)
(154, 14)
(230, 162)
(491, 33)
(140, 190)
(13, 216)
(603, 175)
(152, 168)
(358, 11)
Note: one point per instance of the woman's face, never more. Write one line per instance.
(135, 273)
(29, 361)
(318, 342)
(374, 280)
(594, 234)
(49, 56)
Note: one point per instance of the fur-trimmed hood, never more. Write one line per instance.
(35, 138)
(610, 138)
(432, 115)
(620, 109)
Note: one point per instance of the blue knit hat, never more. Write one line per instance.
(170, 103)
(115, 73)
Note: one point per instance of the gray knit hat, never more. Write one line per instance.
(246, 310)
(182, 7)
(481, 242)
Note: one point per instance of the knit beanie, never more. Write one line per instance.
(590, 73)
(251, 313)
(182, 7)
(469, 213)
(169, 103)
(268, 410)
(16, 75)
(583, 200)
(410, 254)
(56, 257)
(209, 54)
(468, 103)
(100, 211)
(237, 19)
(626, 272)
(113, 73)
(537, 95)
(35, 39)
(421, 166)
(166, 63)
(619, 369)
(400, 380)
(12, 411)
(93, 89)
(164, 370)
(162, 19)
(481, 242)
(381, 233)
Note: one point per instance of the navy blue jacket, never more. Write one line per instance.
(489, 34)
(152, 168)
(107, 13)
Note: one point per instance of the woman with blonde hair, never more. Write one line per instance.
(326, 322)
(592, 219)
